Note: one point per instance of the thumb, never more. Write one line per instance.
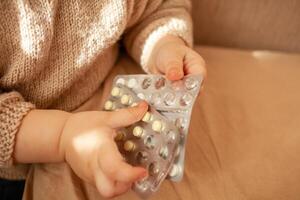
(170, 62)
(127, 116)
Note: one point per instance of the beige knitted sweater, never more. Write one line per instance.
(55, 54)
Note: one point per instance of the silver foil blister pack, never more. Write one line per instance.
(150, 143)
(171, 102)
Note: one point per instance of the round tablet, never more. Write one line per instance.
(116, 92)
(175, 170)
(126, 99)
(157, 126)
(129, 146)
(120, 136)
(147, 117)
(138, 131)
(132, 83)
(109, 105)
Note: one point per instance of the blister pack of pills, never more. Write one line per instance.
(171, 102)
(150, 143)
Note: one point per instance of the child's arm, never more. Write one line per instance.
(159, 37)
(84, 140)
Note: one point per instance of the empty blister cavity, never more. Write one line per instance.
(120, 81)
(146, 83)
(156, 99)
(191, 83)
(153, 169)
(164, 152)
(169, 98)
(180, 123)
(142, 157)
(160, 83)
(149, 142)
(186, 99)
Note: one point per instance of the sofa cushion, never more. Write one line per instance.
(255, 24)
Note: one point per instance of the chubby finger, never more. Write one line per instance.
(170, 63)
(194, 63)
(113, 165)
(127, 116)
(104, 185)
(109, 188)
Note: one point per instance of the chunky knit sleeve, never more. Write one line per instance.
(153, 20)
(13, 108)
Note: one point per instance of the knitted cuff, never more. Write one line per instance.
(12, 111)
(145, 42)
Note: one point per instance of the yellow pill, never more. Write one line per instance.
(157, 126)
(138, 131)
(109, 105)
(120, 136)
(129, 146)
(126, 99)
(147, 117)
(116, 92)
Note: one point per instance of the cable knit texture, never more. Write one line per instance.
(55, 54)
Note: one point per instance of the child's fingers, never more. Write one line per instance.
(194, 63)
(113, 165)
(128, 116)
(171, 64)
(109, 187)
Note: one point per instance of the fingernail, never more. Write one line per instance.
(174, 73)
(142, 104)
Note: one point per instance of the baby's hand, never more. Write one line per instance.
(87, 142)
(174, 59)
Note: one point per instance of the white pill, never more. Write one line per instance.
(175, 171)
(133, 104)
(126, 99)
(109, 105)
(141, 96)
(132, 83)
(121, 81)
(157, 126)
(116, 92)
(138, 131)
(147, 117)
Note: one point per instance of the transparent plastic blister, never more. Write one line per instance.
(173, 99)
(170, 102)
(150, 143)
